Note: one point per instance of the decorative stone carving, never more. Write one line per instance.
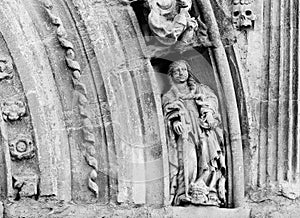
(243, 16)
(195, 140)
(21, 148)
(79, 87)
(171, 22)
(25, 186)
(13, 110)
(6, 68)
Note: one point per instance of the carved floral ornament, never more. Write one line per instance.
(13, 110)
(21, 148)
(6, 68)
(243, 16)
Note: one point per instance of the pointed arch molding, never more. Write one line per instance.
(122, 100)
(31, 62)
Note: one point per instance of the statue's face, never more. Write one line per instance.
(180, 73)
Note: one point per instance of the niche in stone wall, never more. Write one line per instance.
(193, 105)
(205, 188)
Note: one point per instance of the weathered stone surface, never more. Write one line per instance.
(92, 109)
(209, 212)
(58, 209)
(27, 186)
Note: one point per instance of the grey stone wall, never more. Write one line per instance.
(90, 106)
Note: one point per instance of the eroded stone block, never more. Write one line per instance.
(27, 186)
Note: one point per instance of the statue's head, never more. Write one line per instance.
(179, 71)
(174, 65)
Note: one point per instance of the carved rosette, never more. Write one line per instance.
(13, 110)
(6, 69)
(21, 148)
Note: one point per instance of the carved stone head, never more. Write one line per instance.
(199, 192)
(243, 16)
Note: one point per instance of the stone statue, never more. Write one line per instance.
(195, 140)
(170, 20)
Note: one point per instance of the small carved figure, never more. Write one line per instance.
(13, 110)
(243, 16)
(199, 193)
(6, 68)
(195, 140)
(21, 148)
(170, 20)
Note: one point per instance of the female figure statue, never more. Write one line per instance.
(195, 140)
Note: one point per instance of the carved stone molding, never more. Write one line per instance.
(21, 148)
(80, 89)
(6, 68)
(13, 110)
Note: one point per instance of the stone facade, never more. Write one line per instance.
(82, 127)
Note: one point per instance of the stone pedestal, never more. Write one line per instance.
(209, 212)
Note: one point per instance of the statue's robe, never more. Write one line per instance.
(199, 147)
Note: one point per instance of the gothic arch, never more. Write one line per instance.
(93, 102)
